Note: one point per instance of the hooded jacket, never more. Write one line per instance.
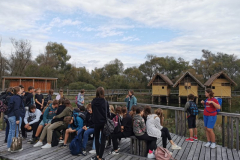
(139, 127)
(16, 107)
(35, 117)
(99, 110)
(153, 126)
(77, 122)
(49, 113)
(89, 120)
(130, 102)
(66, 112)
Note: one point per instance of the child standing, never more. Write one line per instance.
(39, 99)
(191, 118)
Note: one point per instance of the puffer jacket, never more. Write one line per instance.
(153, 126)
(139, 127)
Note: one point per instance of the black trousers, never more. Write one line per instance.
(23, 130)
(165, 136)
(99, 147)
(116, 136)
(151, 141)
(34, 128)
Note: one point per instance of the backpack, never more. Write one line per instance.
(163, 154)
(45, 100)
(117, 124)
(3, 107)
(193, 109)
(80, 114)
(219, 101)
(75, 145)
(75, 115)
(55, 139)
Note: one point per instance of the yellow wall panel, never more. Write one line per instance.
(185, 92)
(157, 90)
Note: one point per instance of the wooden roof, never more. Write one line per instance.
(164, 77)
(24, 78)
(215, 76)
(188, 73)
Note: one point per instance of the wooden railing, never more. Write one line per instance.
(232, 126)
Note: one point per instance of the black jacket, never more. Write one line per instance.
(59, 110)
(99, 110)
(89, 120)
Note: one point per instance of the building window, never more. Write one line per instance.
(162, 87)
(213, 87)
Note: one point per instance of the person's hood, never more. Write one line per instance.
(151, 116)
(99, 101)
(137, 117)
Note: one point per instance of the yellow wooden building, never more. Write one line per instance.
(188, 84)
(161, 86)
(221, 84)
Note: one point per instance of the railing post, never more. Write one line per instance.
(67, 90)
(176, 121)
(185, 128)
(181, 122)
(232, 135)
(228, 132)
(237, 133)
(223, 131)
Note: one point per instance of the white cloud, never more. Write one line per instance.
(57, 22)
(130, 38)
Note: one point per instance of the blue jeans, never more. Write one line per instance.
(84, 136)
(7, 128)
(12, 127)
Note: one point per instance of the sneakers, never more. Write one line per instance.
(195, 138)
(213, 145)
(63, 146)
(17, 150)
(9, 150)
(190, 140)
(46, 146)
(151, 156)
(208, 144)
(113, 152)
(92, 152)
(84, 152)
(176, 147)
(94, 158)
(61, 141)
(30, 140)
(38, 144)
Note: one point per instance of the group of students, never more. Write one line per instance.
(83, 122)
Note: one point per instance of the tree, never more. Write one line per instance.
(20, 57)
(115, 67)
(56, 55)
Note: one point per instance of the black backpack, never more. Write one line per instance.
(55, 139)
(46, 99)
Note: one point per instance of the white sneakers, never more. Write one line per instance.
(176, 147)
(47, 146)
(92, 152)
(208, 144)
(151, 156)
(38, 144)
(61, 141)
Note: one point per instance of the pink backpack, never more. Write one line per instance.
(163, 154)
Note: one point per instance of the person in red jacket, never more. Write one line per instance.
(210, 116)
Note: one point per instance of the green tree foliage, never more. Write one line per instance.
(81, 85)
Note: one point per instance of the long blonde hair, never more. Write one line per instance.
(159, 113)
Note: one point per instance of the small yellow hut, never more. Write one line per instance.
(161, 85)
(188, 84)
(221, 84)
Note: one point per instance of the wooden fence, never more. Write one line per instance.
(231, 129)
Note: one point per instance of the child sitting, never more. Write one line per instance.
(75, 123)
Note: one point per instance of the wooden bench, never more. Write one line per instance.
(138, 147)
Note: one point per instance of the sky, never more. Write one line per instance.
(96, 32)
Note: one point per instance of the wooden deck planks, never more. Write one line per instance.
(189, 151)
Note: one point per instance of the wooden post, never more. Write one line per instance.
(131, 145)
(237, 133)
(138, 147)
(228, 132)
(176, 122)
(152, 99)
(179, 100)
(167, 99)
(185, 128)
(181, 123)
(45, 85)
(67, 90)
(3, 84)
(232, 135)
(20, 81)
(223, 131)
(33, 82)
(196, 100)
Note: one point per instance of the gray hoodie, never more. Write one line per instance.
(139, 127)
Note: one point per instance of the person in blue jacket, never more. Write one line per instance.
(80, 98)
(130, 99)
(15, 113)
(75, 123)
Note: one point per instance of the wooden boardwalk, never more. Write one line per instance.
(189, 151)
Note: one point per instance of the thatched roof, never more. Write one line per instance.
(188, 73)
(215, 76)
(165, 78)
